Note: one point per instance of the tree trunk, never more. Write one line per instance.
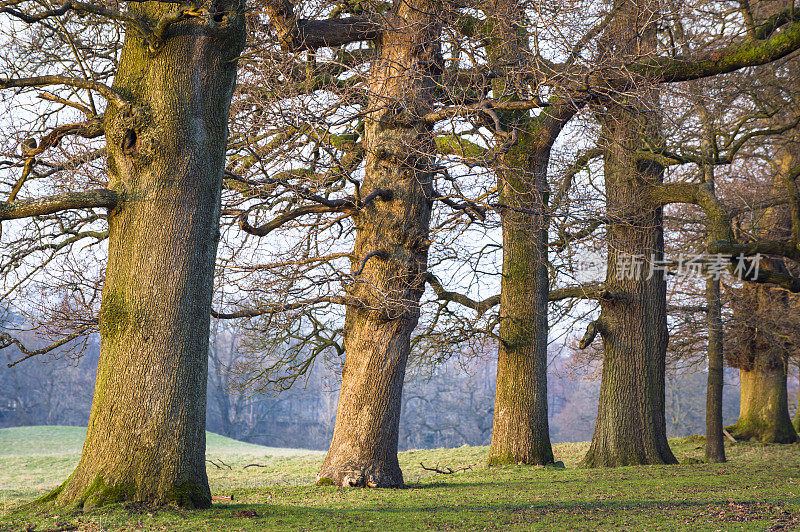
(764, 408)
(391, 251)
(715, 443)
(762, 362)
(146, 437)
(765, 333)
(631, 427)
(520, 432)
(796, 420)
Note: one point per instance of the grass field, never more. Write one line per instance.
(758, 489)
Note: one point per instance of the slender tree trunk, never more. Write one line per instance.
(166, 152)
(796, 420)
(715, 443)
(391, 251)
(631, 427)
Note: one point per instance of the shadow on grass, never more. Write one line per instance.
(417, 514)
(741, 507)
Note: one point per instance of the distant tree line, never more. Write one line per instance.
(442, 407)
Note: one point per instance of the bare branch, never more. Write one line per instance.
(446, 471)
(565, 238)
(768, 46)
(101, 197)
(69, 5)
(302, 34)
(481, 307)
(42, 81)
(6, 340)
(274, 308)
(379, 253)
(589, 335)
(350, 205)
(485, 106)
(582, 291)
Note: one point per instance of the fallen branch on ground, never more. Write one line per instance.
(219, 465)
(446, 471)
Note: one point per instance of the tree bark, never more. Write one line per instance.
(166, 151)
(715, 443)
(520, 431)
(765, 335)
(796, 420)
(764, 408)
(631, 427)
(391, 250)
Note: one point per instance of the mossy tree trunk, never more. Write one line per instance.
(764, 408)
(391, 250)
(166, 151)
(796, 420)
(715, 443)
(765, 332)
(631, 427)
(520, 432)
(764, 405)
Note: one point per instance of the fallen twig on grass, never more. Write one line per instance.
(446, 471)
(219, 465)
(255, 465)
(64, 528)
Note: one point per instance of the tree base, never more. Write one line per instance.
(764, 408)
(760, 432)
(367, 476)
(715, 458)
(627, 457)
(509, 458)
(99, 493)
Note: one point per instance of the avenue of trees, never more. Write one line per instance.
(384, 184)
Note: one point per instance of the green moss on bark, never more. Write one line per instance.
(502, 459)
(753, 430)
(113, 314)
(189, 495)
(508, 458)
(98, 493)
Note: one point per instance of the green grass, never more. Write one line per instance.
(757, 489)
